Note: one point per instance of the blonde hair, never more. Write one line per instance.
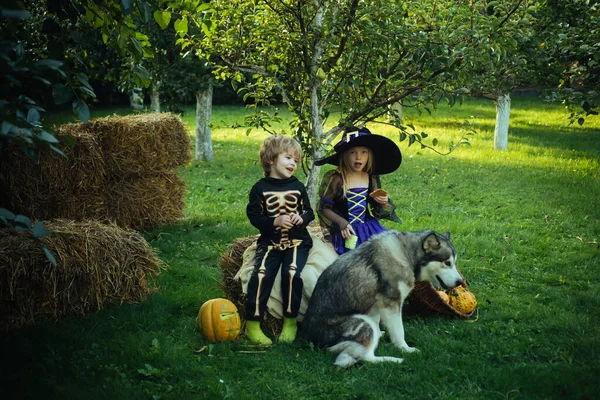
(275, 145)
(344, 167)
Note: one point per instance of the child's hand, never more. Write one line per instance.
(380, 196)
(347, 232)
(296, 219)
(284, 221)
(383, 200)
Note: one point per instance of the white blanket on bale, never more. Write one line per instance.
(321, 255)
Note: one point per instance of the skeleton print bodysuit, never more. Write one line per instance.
(277, 247)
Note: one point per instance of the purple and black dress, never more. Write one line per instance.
(356, 207)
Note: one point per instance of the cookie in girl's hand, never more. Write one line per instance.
(378, 192)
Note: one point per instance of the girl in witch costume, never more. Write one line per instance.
(350, 198)
(280, 209)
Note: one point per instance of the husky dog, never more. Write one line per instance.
(370, 284)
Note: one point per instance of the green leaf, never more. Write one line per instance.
(203, 7)
(76, 35)
(81, 109)
(83, 79)
(39, 230)
(403, 136)
(61, 94)
(23, 221)
(181, 27)
(127, 6)
(162, 18)
(6, 215)
(46, 137)
(145, 11)
(32, 154)
(49, 255)
(48, 63)
(14, 14)
(207, 27)
(580, 121)
(33, 116)
(586, 106)
(135, 48)
(141, 76)
(57, 150)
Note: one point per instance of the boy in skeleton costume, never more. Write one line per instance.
(280, 209)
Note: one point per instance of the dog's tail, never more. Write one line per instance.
(349, 353)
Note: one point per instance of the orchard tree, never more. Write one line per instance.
(347, 60)
(186, 74)
(499, 54)
(569, 33)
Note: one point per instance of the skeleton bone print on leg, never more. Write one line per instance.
(280, 203)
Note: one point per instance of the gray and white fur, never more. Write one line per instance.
(368, 285)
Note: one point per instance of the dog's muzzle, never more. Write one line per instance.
(458, 282)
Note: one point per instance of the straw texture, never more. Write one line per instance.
(96, 264)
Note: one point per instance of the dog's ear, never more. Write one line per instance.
(446, 235)
(431, 243)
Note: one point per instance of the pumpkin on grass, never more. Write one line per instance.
(219, 320)
(462, 300)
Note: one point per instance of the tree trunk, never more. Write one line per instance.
(155, 98)
(204, 148)
(395, 110)
(316, 120)
(312, 180)
(502, 121)
(135, 99)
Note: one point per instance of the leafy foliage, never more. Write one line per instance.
(33, 70)
(570, 36)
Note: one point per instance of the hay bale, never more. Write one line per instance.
(40, 188)
(118, 169)
(147, 201)
(140, 144)
(96, 264)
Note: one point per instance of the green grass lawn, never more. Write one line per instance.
(526, 225)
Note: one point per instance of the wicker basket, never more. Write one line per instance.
(423, 299)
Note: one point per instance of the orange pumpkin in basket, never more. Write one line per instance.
(462, 300)
(444, 296)
(219, 320)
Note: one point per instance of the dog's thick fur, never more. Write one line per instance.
(370, 284)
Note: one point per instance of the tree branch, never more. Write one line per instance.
(259, 70)
(344, 40)
(515, 8)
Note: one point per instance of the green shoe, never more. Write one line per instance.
(288, 333)
(255, 334)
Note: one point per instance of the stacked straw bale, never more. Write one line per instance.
(96, 264)
(119, 169)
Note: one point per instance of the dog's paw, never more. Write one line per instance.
(409, 349)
